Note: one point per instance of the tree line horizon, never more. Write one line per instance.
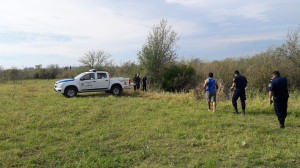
(158, 60)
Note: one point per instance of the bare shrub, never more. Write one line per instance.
(223, 91)
(198, 91)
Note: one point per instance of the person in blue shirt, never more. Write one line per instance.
(239, 84)
(279, 95)
(210, 86)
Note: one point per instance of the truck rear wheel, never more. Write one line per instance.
(70, 92)
(116, 90)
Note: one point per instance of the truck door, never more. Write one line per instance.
(88, 82)
(102, 80)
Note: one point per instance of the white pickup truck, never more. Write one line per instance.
(90, 82)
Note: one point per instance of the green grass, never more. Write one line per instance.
(41, 128)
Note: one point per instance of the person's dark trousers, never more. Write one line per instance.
(239, 93)
(280, 108)
(145, 88)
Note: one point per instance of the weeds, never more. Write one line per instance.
(40, 128)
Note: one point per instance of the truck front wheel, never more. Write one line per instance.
(70, 92)
(116, 90)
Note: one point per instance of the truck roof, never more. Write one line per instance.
(94, 70)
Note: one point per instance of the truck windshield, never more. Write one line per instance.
(80, 75)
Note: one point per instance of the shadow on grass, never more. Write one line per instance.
(269, 112)
(104, 94)
(92, 95)
(261, 112)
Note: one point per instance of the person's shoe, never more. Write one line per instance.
(281, 124)
(243, 113)
(235, 112)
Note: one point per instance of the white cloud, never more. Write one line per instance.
(194, 3)
(85, 24)
(231, 40)
(68, 17)
(187, 28)
(217, 43)
(220, 11)
(253, 11)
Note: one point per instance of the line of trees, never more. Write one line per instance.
(158, 60)
(258, 68)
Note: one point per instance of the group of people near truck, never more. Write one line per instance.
(137, 83)
(278, 93)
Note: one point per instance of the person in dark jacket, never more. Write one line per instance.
(239, 84)
(134, 82)
(279, 95)
(144, 83)
(138, 82)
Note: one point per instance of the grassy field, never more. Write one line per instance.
(40, 128)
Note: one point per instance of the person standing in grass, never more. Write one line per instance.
(278, 93)
(135, 80)
(138, 82)
(239, 84)
(210, 86)
(144, 83)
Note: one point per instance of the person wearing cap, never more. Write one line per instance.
(239, 84)
(279, 95)
(210, 87)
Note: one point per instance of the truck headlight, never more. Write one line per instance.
(59, 85)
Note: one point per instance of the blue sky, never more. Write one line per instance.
(60, 31)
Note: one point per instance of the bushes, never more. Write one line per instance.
(178, 78)
(15, 75)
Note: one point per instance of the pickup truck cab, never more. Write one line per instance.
(91, 81)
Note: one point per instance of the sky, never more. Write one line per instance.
(59, 32)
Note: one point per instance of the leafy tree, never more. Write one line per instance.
(159, 51)
(95, 58)
(37, 71)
